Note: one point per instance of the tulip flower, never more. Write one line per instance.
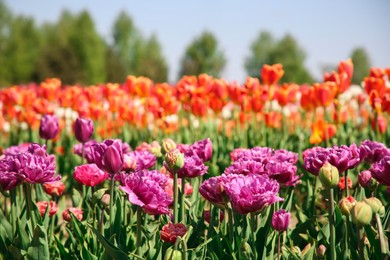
(42, 206)
(55, 188)
(77, 212)
(213, 191)
(108, 155)
(49, 127)
(89, 175)
(381, 170)
(280, 220)
(83, 129)
(170, 232)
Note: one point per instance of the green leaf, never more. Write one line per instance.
(63, 251)
(39, 248)
(77, 198)
(371, 236)
(23, 236)
(87, 255)
(111, 249)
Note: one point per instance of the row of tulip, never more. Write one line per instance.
(161, 108)
(162, 200)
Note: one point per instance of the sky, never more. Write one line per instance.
(328, 31)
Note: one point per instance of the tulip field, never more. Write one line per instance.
(200, 169)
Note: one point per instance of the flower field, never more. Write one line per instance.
(203, 169)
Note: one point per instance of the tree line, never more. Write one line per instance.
(72, 49)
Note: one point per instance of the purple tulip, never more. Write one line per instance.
(280, 220)
(381, 170)
(146, 189)
(250, 193)
(212, 190)
(364, 178)
(284, 172)
(83, 129)
(245, 167)
(344, 157)
(259, 154)
(314, 158)
(49, 127)
(108, 155)
(144, 159)
(193, 167)
(282, 155)
(203, 149)
(8, 172)
(371, 151)
(78, 149)
(12, 150)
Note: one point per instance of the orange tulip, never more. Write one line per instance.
(340, 79)
(371, 83)
(286, 94)
(321, 131)
(273, 119)
(272, 74)
(380, 124)
(50, 89)
(347, 67)
(377, 72)
(324, 93)
(307, 97)
(387, 71)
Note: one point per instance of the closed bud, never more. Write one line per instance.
(321, 251)
(155, 149)
(83, 129)
(329, 176)
(376, 205)
(361, 214)
(105, 200)
(167, 145)
(364, 179)
(172, 254)
(174, 159)
(346, 205)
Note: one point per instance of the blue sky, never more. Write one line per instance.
(327, 30)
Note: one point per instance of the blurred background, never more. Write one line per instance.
(91, 42)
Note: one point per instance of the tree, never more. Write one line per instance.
(5, 29)
(361, 63)
(73, 51)
(153, 63)
(203, 56)
(261, 50)
(21, 51)
(265, 50)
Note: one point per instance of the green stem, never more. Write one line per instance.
(253, 237)
(138, 238)
(13, 210)
(184, 249)
(175, 198)
(182, 203)
(230, 226)
(112, 204)
(279, 235)
(82, 153)
(331, 225)
(346, 253)
(211, 221)
(382, 238)
(30, 208)
(361, 242)
(346, 183)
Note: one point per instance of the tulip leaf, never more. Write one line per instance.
(15, 252)
(23, 236)
(63, 252)
(77, 198)
(374, 242)
(39, 248)
(87, 255)
(111, 249)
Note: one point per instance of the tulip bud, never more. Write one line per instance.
(329, 176)
(376, 205)
(49, 127)
(77, 212)
(280, 220)
(105, 200)
(83, 129)
(174, 159)
(321, 251)
(167, 145)
(170, 232)
(155, 149)
(172, 254)
(364, 179)
(55, 188)
(113, 159)
(42, 206)
(246, 250)
(346, 205)
(361, 213)
(129, 162)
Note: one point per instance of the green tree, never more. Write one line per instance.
(265, 50)
(203, 56)
(73, 51)
(5, 29)
(361, 63)
(153, 63)
(21, 51)
(261, 50)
